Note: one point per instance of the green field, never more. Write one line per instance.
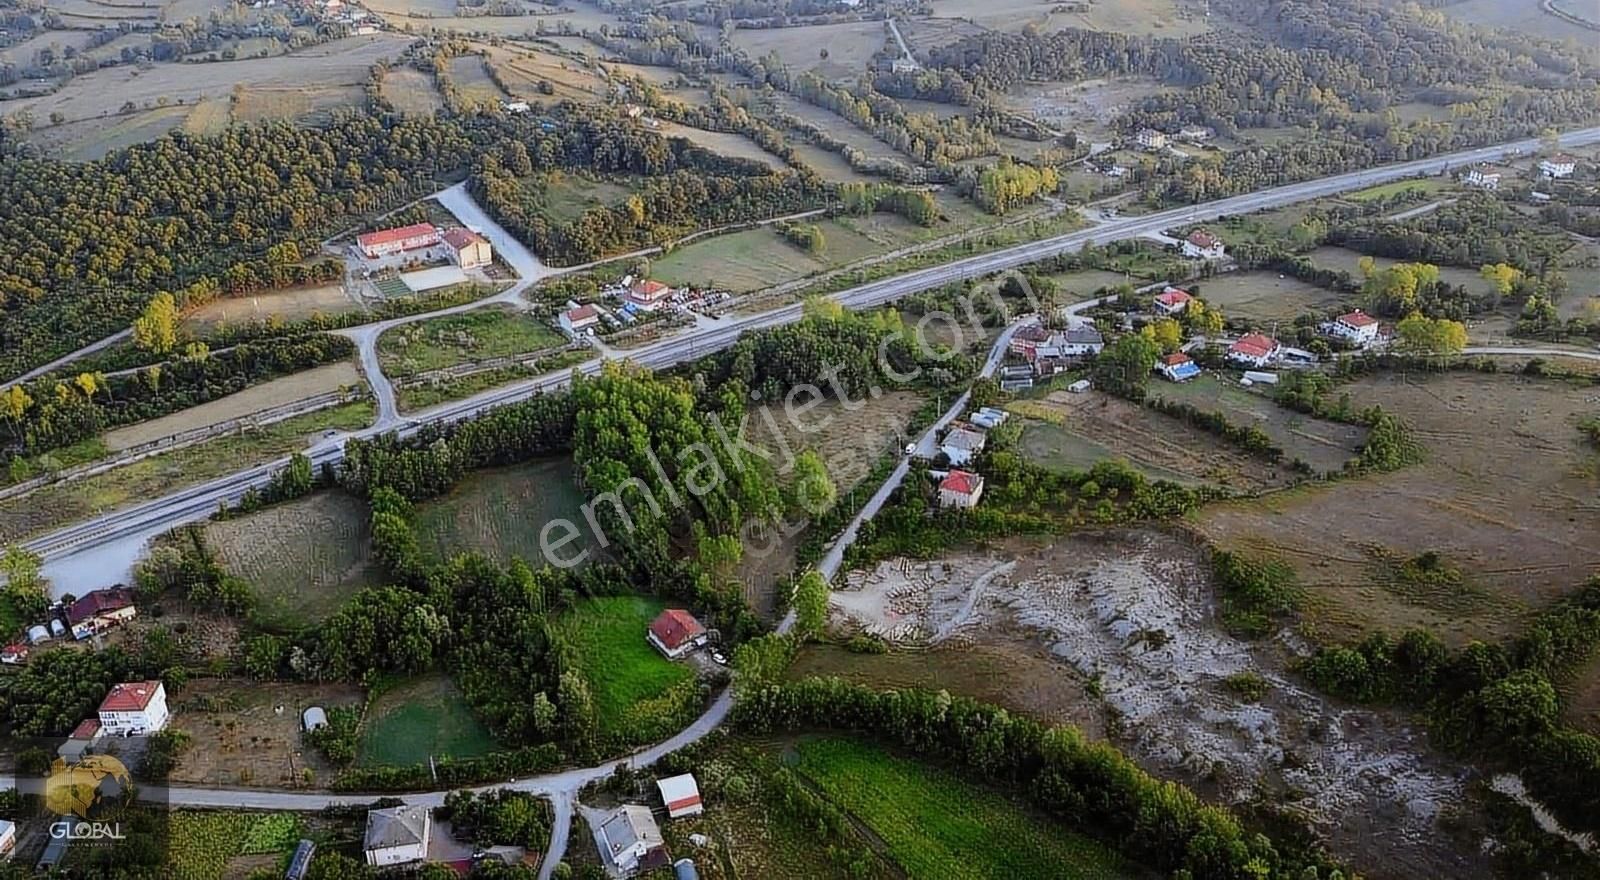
(500, 511)
(416, 719)
(1390, 190)
(1265, 298)
(939, 827)
(625, 674)
(203, 844)
(1059, 449)
(457, 339)
(563, 197)
(1349, 260)
(1323, 444)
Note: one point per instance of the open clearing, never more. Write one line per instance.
(624, 672)
(1086, 107)
(1349, 260)
(1506, 495)
(411, 91)
(828, 164)
(526, 71)
(499, 512)
(425, 717)
(849, 439)
(1323, 444)
(835, 126)
(239, 736)
(470, 76)
(1162, 18)
(289, 305)
(305, 557)
(939, 827)
(1073, 431)
(341, 64)
(58, 505)
(563, 197)
(477, 335)
(1134, 610)
(725, 143)
(1265, 298)
(850, 45)
(274, 393)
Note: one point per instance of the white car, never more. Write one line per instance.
(719, 658)
(911, 449)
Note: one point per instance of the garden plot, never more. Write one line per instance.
(243, 734)
(499, 512)
(1134, 610)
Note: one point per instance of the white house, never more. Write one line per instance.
(134, 708)
(397, 836)
(1254, 350)
(648, 295)
(1357, 327)
(681, 796)
(576, 320)
(675, 632)
(962, 443)
(1559, 165)
(1172, 301)
(1177, 367)
(960, 489)
(1074, 342)
(1202, 245)
(8, 838)
(1115, 170)
(1482, 176)
(468, 249)
(1195, 133)
(1150, 139)
(629, 839)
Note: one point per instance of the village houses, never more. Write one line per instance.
(135, 708)
(1559, 165)
(389, 242)
(1203, 245)
(1177, 367)
(1483, 176)
(1253, 350)
(1357, 328)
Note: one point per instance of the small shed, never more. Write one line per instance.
(1079, 386)
(314, 718)
(684, 869)
(37, 633)
(681, 796)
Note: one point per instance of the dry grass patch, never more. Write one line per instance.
(411, 91)
(244, 734)
(727, 143)
(290, 304)
(525, 72)
(277, 392)
(850, 46)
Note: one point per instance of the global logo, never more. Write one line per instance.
(88, 789)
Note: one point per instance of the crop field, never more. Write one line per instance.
(456, 339)
(292, 304)
(1505, 495)
(850, 45)
(523, 71)
(215, 844)
(1086, 107)
(280, 87)
(1323, 444)
(304, 557)
(411, 91)
(1527, 16)
(726, 143)
(937, 826)
(624, 672)
(1265, 298)
(499, 512)
(1073, 431)
(1390, 190)
(24, 53)
(64, 503)
(410, 721)
(238, 736)
(277, 392)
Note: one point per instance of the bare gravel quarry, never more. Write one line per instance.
(1134, 611)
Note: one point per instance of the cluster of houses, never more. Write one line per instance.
(1488, 176)
(462, 248)
(87, 616)
(1154, 139)
(130, 708)
(634, 298)
(960, 487)
(1047, 353)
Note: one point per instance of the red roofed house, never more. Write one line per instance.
(681, 795)
(1559, 165)
(1358, 327)
(100, 610)
(134, 708)
(1254, 350)
(1172, 300)
(1202, 245)
(469, 249)
(1177, 367)
(1027, 339)
(388, 242)
(648, 295)
(675, 633)
(575, 321)
(960, 489)
(14, 653)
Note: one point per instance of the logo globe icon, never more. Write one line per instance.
(83, 788)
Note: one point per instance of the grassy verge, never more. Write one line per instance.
(55, 506)
(936, 825)
(457, 339)
(420, 397)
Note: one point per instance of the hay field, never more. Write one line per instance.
(829, 165)
(472, 83)
(1506, 494)
(277, 392)
(337, 67)
(94, 138)
(523, 71)
(850, 46)
(23, 53)
(411, 91)
(423, 717)
(1264, 298)
(290, 305)
(726, 143)
(499, 512)
(835, 126)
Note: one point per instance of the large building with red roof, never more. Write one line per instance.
(388, 242)
(960, 489)
(100, 610)
(134, 708)
(676, 632)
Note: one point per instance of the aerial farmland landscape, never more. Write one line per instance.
(794, 439)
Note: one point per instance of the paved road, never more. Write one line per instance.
(196, 502)
(87, 350)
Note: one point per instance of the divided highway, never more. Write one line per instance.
(197, 502)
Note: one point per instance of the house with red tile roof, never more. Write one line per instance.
(648, 295)
(1253, 350)
(134, 708)
(1173, 300)
(388, 242)
(100, 610)
(1203, 245)
(577, 320)
(469, 249)
(676, 632)
(960, 489)
(1177, 367)
(1357, 328)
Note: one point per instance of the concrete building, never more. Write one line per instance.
(388, 242)
(1150, 139)
(962, 444)
(648, 295)
(577, 320)
(1482, 177)
(467, 249)
(1202, 245)
(397, 836)
(1254, 350)
(676, 632)
(681, 795)
(1357, 328)
(1559, 165)
(134, 708)
(1172, 301)
(629, 840)
(961, 490)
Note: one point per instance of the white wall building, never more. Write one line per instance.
(1357, 327)
(397, 836)
(1150, 139)
(1559, 165)
(1202, 245)
(1483, 177)
(961, 490)
(577, 320)
(627, 837)
(962, 444)
(134, 708)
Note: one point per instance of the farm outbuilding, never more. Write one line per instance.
(314, 718)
